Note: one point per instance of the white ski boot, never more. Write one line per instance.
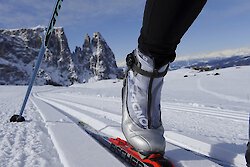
(141, 119)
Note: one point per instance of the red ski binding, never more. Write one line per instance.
(134, 158)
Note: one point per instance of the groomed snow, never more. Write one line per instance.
(203, 112)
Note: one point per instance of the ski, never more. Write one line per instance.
(125, 152)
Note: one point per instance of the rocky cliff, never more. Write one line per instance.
(95, 59)
(18, 52)
(19, 49)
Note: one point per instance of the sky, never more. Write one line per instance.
(222, 24)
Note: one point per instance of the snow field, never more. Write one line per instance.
(204, 113)
(171, 137)
(23, 144)
(114, 130)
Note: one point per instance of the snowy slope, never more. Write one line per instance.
(203, 112)
(25, 144)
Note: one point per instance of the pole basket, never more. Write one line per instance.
(17, 118)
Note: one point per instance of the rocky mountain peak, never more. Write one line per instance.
(96, 59)
(19, 49)
(87, 41)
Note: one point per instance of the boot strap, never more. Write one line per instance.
(132, 62)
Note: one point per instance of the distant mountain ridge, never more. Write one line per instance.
(211, 61)
(19, 49)
(215, 60)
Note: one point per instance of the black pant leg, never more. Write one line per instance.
(164, 24)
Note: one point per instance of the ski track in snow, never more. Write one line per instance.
(172, 137)
(175, 107)
(219, 95)
(82, 112)
(206, 111)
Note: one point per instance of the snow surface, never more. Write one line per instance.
(203, 112)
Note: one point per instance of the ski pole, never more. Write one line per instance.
(45, 42)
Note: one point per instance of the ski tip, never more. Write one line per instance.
(17, 118)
